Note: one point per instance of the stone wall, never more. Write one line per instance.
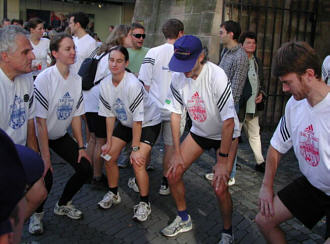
(201, 18)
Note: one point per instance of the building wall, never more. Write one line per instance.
(200, 18)
(109, 14)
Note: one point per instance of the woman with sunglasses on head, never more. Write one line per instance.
(59, 104)
(96, 124)
(122, 96)
(40, 45)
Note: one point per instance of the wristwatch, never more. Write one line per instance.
(135, 149)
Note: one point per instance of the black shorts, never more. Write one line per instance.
(306, 203)
(149, 134)
(206, 143)
(96, 124)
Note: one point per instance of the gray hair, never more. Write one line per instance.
(8, 36)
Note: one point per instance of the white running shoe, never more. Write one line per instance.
(164, 190)
(35, 226)
(226, 239)
(109, 199)
(209, 176)
(132, 184)
(142, 211)
(231, 181)
(68, 210)
(177, 226)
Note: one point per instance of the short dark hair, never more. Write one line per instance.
(136, 25)
(121, 49)
(296, 57)
(247, 34)
(4, 20)
(32, 23)
(81, 18)
(19, 21)
(171, 28)
(206, 55)
(232, 26)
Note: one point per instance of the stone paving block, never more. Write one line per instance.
(309, 242)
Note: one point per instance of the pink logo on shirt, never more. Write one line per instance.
(309, 146)
(196, 108)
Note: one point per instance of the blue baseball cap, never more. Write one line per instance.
(20, 168)
(186, 52)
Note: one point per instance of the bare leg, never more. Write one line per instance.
(269, 227)
(111, 166)
(34, 197)
(97, 160)
(141, 174)
(91, 146)
(190, 151)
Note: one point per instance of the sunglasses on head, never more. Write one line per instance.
(138, 36)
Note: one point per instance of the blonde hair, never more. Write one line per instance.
(115, 38)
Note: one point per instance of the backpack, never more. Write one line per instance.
(87, 71)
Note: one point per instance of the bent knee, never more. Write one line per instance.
(85, 170)
(264, 223)
(37, 193)
(222, 191)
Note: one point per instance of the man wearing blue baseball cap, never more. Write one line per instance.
(203, 89)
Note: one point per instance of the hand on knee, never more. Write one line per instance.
(221, 191)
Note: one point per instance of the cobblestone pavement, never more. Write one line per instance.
(116, 225)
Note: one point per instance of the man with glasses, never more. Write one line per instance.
(137, 52)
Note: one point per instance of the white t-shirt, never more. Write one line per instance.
(58, 100)
(17, 105)
(154, 72)
(307, 129)
(128, 102)
(94, 93)
(84, 48)
(208, 100)
(41, 52)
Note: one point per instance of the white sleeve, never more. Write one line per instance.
(147, 67)
(80, 108)
(174, 102)
(32, 102)
(136, 107)
(104, 106)
(281, 139)
(223, 97)
(41, 96)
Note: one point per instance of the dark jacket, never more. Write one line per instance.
(247, 91)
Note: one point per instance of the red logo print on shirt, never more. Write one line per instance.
(196, 108)
(309, 146)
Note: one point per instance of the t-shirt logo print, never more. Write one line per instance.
(17, 113)
(196, 108)
(64, 107)
(309, 146)
(120, 110)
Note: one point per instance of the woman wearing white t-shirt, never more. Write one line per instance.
(96, 124)
(122, 96)
(59, 104)
(40, 45)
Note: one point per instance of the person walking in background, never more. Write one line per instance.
(85, 45)
(138, 51)
(235, 63)
(40, 45)
(251, 101)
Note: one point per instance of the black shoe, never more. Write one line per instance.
(260, 167)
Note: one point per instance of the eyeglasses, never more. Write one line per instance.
(138, 36)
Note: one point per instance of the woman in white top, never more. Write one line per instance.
(59, 104)
(40, 45)
(122, 96)
(96, 124)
